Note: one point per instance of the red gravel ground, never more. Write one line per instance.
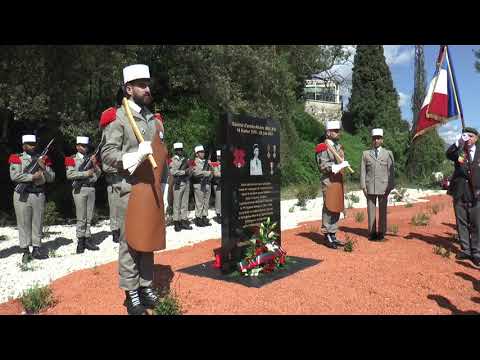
(401, 275)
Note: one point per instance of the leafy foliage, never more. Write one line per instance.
(37, 298)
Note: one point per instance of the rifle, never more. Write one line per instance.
(178, 179)
(206, 180)
(32, 168)
(86, 165)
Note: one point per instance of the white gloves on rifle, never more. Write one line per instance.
(133, 159)
(337, 167)
(461, 140)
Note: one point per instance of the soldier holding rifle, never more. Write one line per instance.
(181, 173)
(84, 170)
(30, 172)
(202, 177)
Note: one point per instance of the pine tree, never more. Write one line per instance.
(374, 102)
(426, 153)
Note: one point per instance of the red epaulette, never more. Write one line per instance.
(108, 116)
(69, 161)
(158, 117)
(321, 147)
(191, 163)
(215, 163)
(47, 160)
(169, 161)
(14, 159)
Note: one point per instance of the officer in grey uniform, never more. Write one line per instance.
(111, 175)
(181, 173)
(377, 180)
(201, 186)
(122, 151)
(84, 193)
(30, 205)
(328, 165)
(217, 174)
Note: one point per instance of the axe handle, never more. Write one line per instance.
(137, 132)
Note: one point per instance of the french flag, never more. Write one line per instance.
(442, 102)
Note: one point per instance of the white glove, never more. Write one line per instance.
(145, 148)
(132, 160)
(337, 167)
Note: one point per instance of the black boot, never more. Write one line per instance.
(133, 303)
(148, 297)
(116, 235)
(218, 219)
(81, 245)
(205, 221)
(89, 245)
(177, 226)
(185, 224)
(329, 238)
(337, 242)
(37, 253)
(27, 257)
(198, 222)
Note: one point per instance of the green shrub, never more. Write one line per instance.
(168, 305)
(393, 229)
(37, 298)
(52, 216)
(420, 219)
(359, 216)
(350, 244)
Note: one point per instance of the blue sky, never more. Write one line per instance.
(400, 59)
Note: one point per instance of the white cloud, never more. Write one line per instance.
(450, 131)
(403, 99)
(398, 54)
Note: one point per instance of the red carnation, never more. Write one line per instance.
(321, 147)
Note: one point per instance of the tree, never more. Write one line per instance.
(426, 153)
(374, 102)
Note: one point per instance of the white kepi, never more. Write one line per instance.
(198, 148)
(177, 146)
(29, 139)
(333, 125)
(377, 132)
(82, 140)
(135, 72)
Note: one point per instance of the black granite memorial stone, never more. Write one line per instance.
(250, 181)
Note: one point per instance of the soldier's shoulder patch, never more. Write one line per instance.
(109, 115)
(14, 159)
(69, 161)
(321, 148)
(158, 116)
(169, 161)
(48, 161)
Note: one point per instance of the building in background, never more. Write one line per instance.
(323, 100)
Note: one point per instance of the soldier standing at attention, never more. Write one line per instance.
(181, 172)
(111, 173)
(123, 151)
(202, 176)
(83, 191)
(377, 179)
(217, 174)
(30, 204)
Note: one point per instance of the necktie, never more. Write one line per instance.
(376, 153)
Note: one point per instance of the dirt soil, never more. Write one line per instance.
(401, 275)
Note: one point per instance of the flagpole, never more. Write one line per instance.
(439, 64)
(454, 88)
